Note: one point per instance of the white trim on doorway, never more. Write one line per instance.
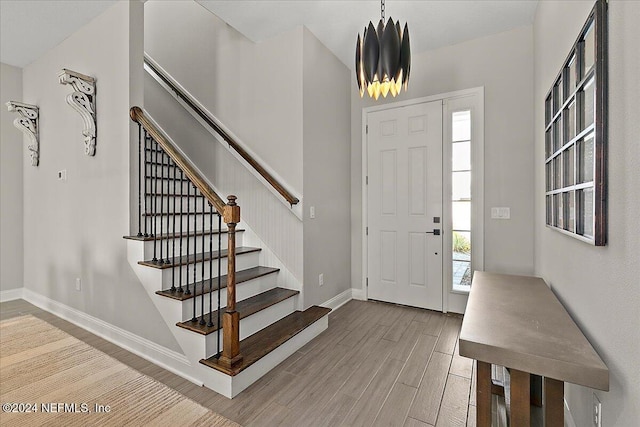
(452, 301)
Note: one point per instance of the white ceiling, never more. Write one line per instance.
(432, 23)
(28, 28)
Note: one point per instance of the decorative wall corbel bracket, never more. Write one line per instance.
(28, 124)
(83, 100)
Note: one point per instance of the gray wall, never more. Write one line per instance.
(75, 228)
(326, 172)
(254, 89)
(13, 158)
(599, 286)
(503, 64)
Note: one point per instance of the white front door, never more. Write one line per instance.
(404, 204)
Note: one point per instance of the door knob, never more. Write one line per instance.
(435, 232)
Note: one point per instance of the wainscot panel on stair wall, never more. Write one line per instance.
(74, 228)
(13, 155)
(599, 286)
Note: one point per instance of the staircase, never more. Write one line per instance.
(233, 327)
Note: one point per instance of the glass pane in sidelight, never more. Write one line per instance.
(461, 156)
(461, 274)
(549, 176)
(461, 245)
(461, 186)
(589, 47)
(585, 159)
(549, 202)
(461, 126)
(548, 143)
(569, 171)
(548, 110)
(461, 213)
(557, 96)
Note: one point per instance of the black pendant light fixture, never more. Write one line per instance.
(383, 58)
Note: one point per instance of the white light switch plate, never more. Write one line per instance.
(500, 213)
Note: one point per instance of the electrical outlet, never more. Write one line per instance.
(597, 411)
(321, 279)
(78, 284)
(62, 175)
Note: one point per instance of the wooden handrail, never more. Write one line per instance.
(138, 116)
(188, 99)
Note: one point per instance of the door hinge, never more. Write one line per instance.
(367, 179)
(367, 231)
(367, 131)
(367, 282)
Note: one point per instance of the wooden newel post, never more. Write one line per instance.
(231, 356)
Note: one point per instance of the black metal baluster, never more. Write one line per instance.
(210, 323)
(188, 291)
(166, 261)
(202, 321)
(173, 236)
(219, 275)
(146, 185)
(195, 250)
(140, 178)
(155, 204)
(161, 215)
(181, 236)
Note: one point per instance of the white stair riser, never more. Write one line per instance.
(197, 240)
(243, 261)
(254, 323)
(243, 291)
(232, 386)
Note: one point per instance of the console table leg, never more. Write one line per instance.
(553, 403)
(520, 398)
(483, 394)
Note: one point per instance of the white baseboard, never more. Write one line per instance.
(11, 294)
(158, 355)
(339, 300)
(568, 418)
(358, 294)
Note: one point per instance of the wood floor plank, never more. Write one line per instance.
(366, 408)
(426, 404)
(323, 384)
(455, 402)
(460, 365)
(449, 335)
(412, 422)
(395, 408)
(413, 370)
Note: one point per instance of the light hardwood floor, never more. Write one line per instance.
(377, 365)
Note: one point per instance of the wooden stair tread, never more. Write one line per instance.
(245, 308)
(206, 256)
(177, 235)
(241, 276)
(263, 342)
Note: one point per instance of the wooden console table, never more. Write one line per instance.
(517, 322)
